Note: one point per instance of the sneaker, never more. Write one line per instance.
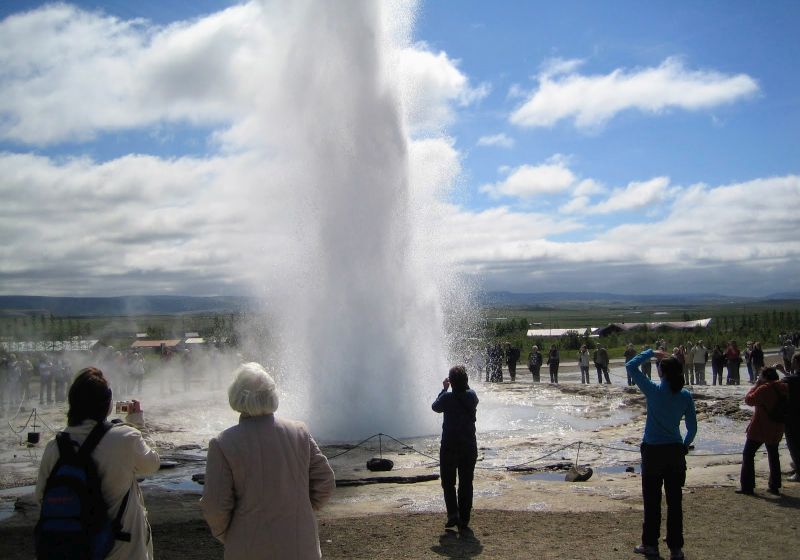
(794, 478)
(647, 549)
(676, 554)
(745, 492)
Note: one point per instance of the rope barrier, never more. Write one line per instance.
(525, 463)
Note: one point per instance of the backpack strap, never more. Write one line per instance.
(93, 439)
(66, 449)
(119, 534)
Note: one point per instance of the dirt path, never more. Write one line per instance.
(717, 526)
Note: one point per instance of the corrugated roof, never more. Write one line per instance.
(558, 332)
(155, 343)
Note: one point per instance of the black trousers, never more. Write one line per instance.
(663, 465)
(792, 434)
(554, 372)
(747, 479)
(600, 371)
(458, 460)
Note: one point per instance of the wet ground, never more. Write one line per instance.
(529, 434)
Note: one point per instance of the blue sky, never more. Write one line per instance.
(583, 146)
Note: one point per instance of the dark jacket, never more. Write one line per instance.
(458, 427)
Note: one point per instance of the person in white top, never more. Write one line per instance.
(121, 456)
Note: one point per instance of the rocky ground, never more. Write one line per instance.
(518, 514)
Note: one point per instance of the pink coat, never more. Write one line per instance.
(762, 428)
(264, 479)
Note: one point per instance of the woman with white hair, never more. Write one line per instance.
(265, 477)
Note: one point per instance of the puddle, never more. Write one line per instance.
(6, 510)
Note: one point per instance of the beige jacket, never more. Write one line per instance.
(264, 479)
(121, 456)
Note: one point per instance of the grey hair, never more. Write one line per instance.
(253, 391)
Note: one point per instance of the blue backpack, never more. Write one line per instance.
(74, 521)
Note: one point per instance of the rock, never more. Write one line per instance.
(581, 474)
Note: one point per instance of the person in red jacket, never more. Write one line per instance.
(764, 396)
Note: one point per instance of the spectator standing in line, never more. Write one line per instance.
(535, 363)
(25, 376)
(600, 359)
(664, 450)
(647, 365)
(681, 357)
(763, 429)
(629, 353)
(583, 363)
(45, 380)
(792, 424)
(734, 360)
(689, 362)
(512, 357)
(3, 380)
(12, 380)
(748, 360)
(757, 358)
(699, 358)
(553, 360)
(787, 352)
(458, 452)
(717, 363)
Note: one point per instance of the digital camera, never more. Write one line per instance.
(124, 407)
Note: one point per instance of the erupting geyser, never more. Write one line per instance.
(355, 301)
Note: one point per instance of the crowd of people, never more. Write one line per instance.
(43, 377)
(694, 357)
(266, 476)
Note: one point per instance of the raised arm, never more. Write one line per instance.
(646, 385)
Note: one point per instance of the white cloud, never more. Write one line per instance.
(113, 75)
(430, 83)
(501, 140)
(555, 66)
(726, 239)
(527, 181)
(636, 196)
(593, 100)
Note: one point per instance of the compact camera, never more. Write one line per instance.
(125, 407)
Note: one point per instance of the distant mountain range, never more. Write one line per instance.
(122, 305)
(176, 305)
(550, 299)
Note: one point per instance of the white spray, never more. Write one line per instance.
(356, 300)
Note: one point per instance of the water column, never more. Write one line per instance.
(362, 346)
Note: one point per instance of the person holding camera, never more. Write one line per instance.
(121, 457)
(664, 450)
(458, 452)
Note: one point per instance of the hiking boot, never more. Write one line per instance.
(647, 549)
(676, 554)
(794, 478)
